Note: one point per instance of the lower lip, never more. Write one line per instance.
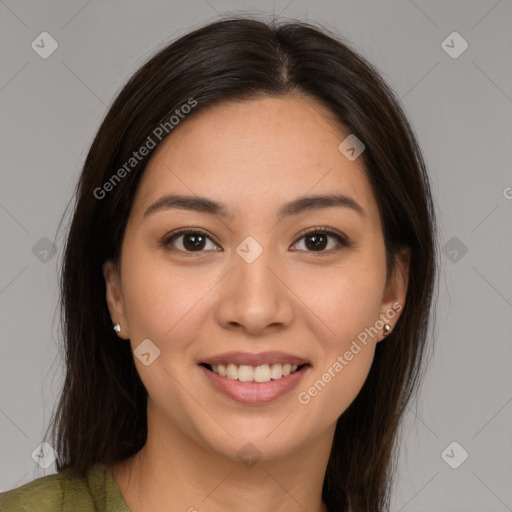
(255, 392)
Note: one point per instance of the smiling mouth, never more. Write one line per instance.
(261, 373)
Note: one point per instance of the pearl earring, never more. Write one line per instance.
(117, 327)
(387, 329)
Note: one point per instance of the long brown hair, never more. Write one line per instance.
(101, 415)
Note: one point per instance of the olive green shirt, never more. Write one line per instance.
(59, 493)
(98, 492)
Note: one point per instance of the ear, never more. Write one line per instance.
(114, 297)
(393, 301)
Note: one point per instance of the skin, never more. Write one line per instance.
(254, 156)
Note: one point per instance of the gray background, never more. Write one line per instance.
(460, 109)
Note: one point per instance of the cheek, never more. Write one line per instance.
(346, 354)
(333, 388)
(342, 302)
(149, 295)
(162, 299)
(346, 306)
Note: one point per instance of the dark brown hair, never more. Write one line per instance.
(101, 415)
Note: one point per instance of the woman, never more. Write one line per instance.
(246, 286)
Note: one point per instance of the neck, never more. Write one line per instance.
(175, 472)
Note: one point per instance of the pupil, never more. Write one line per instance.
(315, 245)
(197, 237)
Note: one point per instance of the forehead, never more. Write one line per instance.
(254, 155)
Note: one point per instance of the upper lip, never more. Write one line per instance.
(249, 359)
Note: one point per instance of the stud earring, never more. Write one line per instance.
(117, 327)
(387, 329)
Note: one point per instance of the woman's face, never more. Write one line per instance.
(253, 282)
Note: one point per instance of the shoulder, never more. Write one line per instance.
(52, 493)
(42, 494)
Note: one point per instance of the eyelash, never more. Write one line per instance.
(343, 241)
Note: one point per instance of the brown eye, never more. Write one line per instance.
(189, 240)
(317, 240)
(192, 240)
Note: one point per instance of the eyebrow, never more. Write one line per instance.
(295, 207)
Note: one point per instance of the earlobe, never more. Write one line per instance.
(114, 298)
(396, 290)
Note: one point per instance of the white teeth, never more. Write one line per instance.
(262, 373)
(245, 373)
(276, 372)
(232, 371)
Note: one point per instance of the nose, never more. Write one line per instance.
(255, 296)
